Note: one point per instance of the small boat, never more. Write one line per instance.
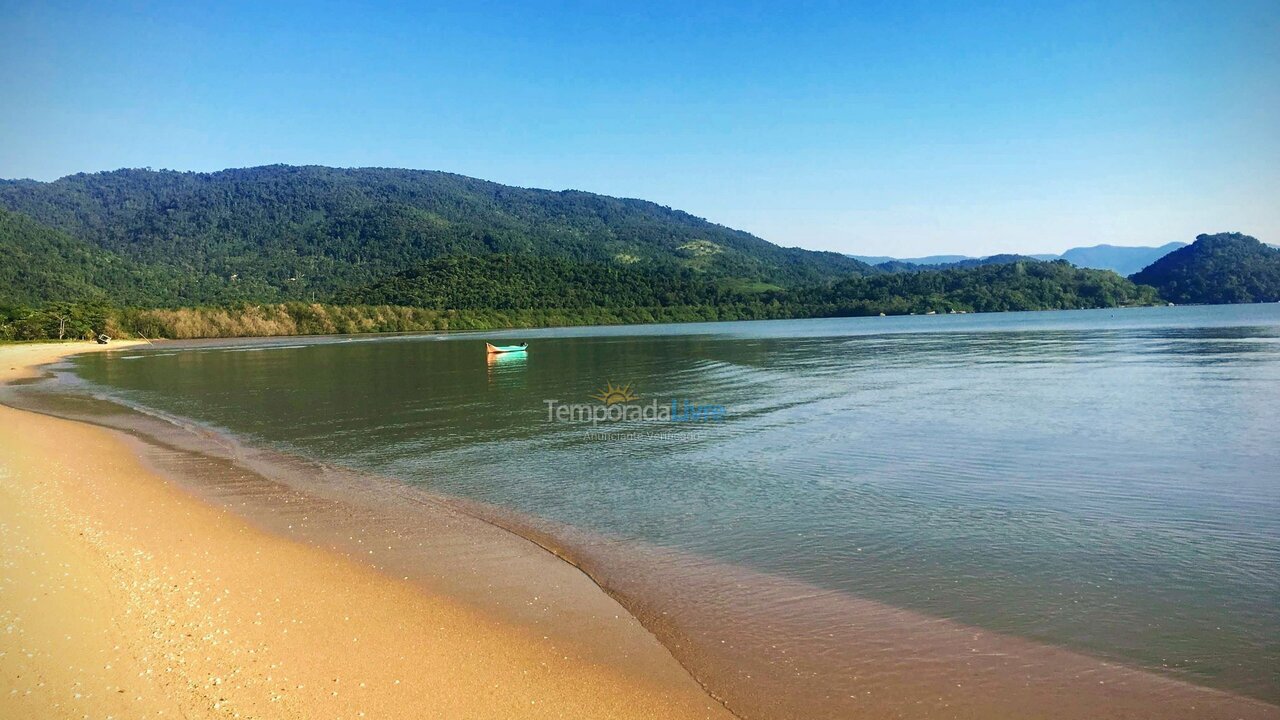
(495, 349)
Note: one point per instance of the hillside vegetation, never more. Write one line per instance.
(302, 233)
(286, 250)
(40, 263)
(1019, 285)
(1222, 268)
(510, 282)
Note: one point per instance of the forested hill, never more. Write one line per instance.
(502, 282)
(281, 232)
(283, 249)
(514, 282)
(1222, 268)
(43, 264)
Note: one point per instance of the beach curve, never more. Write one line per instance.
(123, 595)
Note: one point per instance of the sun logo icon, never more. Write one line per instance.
(612, 394)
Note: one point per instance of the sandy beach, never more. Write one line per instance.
(123, 595)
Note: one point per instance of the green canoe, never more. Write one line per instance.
(493, 349)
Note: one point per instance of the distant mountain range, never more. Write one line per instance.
(899, 266)
(926, 260)
(1119, 259)
(1123, 260)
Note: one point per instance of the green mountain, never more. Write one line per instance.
(280, 233)
(286, 250)
(1222, 268)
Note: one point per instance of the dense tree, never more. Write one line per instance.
(56, 321)
(281, 232)
(1222, 268)
(40, 263)
(507, 282)
(484, 292)
(1021, 285)
(513, 282)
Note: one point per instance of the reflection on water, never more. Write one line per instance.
(506, 369)
(1104, 480)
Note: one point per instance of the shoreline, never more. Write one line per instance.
(952, 670)
(125, 595)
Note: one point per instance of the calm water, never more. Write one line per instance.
(1104, 480)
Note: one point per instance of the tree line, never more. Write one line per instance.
(493, 291)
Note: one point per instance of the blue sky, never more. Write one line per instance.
(892, 128)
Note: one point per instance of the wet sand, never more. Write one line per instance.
(123, 595)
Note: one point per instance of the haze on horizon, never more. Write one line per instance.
(900, 129)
